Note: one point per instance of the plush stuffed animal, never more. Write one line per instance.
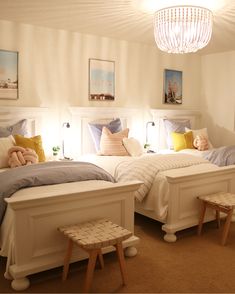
(201, 143)
(19, 156)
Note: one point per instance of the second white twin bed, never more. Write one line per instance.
(171, 182)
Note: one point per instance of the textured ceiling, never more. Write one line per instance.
(118, 19)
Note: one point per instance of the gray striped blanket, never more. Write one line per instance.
(147, 167)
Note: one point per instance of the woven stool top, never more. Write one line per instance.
(96, 234)
(220, 198)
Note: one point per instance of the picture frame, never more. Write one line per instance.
(172, 89)
(9, 75)
(101, 80)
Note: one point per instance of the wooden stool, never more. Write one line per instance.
(92, 237)
(222, 201)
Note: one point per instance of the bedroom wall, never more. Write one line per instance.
(218, 97)
(53, 69)
(53, 73)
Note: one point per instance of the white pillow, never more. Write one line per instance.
(5, 145)
(201, 132)
(132, 146)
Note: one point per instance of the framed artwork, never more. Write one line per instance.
(8, 74)
(172, 86)
(101, 80)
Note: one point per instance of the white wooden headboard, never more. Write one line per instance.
(159, 115)
(37, 121)
(81, 116)
(34, 115)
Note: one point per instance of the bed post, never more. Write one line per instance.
(172, 214)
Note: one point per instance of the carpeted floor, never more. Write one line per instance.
(191, 265)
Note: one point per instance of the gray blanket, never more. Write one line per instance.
(48, 173)
(221, 156)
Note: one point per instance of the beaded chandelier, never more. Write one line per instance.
(182, 29)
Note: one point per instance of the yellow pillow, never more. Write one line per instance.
(34, 143)
(182, 141)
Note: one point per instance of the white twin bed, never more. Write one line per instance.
(29, 236)
(172, 197)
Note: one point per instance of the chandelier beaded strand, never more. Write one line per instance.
(182, 29)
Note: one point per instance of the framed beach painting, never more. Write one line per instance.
(101, 80)
(172, 92)
(8, 74)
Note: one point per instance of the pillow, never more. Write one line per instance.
(5, 145)
(201, 143)
(200, 132)
(132, 146)
(19, 156)
(34, 143)
(175, 125)
(20, 128)
(182, 141)
(111, 144)
(96, 130)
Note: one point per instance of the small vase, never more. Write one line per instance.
(56, 157)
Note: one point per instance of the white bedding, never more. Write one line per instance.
(146, 169)
(194, 152)
(109, 163)
(157, 198)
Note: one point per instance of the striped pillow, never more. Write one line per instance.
(111, 144)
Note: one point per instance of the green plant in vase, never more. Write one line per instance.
(55, 150)
(146, 146)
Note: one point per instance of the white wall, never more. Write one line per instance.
(53, 68)
(218, 97)
(53, 71)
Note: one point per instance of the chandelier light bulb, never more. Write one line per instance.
(182, 29)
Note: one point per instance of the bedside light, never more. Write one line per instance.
(65, 125)
(147, 127)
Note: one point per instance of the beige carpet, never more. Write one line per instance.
(191, 265)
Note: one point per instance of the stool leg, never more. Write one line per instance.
(226, 227)
(218, 218)
(90, 269)
(203, 211)
(101, 260)
(121, 260)
(67, 259)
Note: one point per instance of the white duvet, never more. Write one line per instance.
(157, 199)
(152, 170)
(146, 169)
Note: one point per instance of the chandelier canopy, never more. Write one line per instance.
(182, 29)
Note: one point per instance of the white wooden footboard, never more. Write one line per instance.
(38, 245)
(184, 208)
